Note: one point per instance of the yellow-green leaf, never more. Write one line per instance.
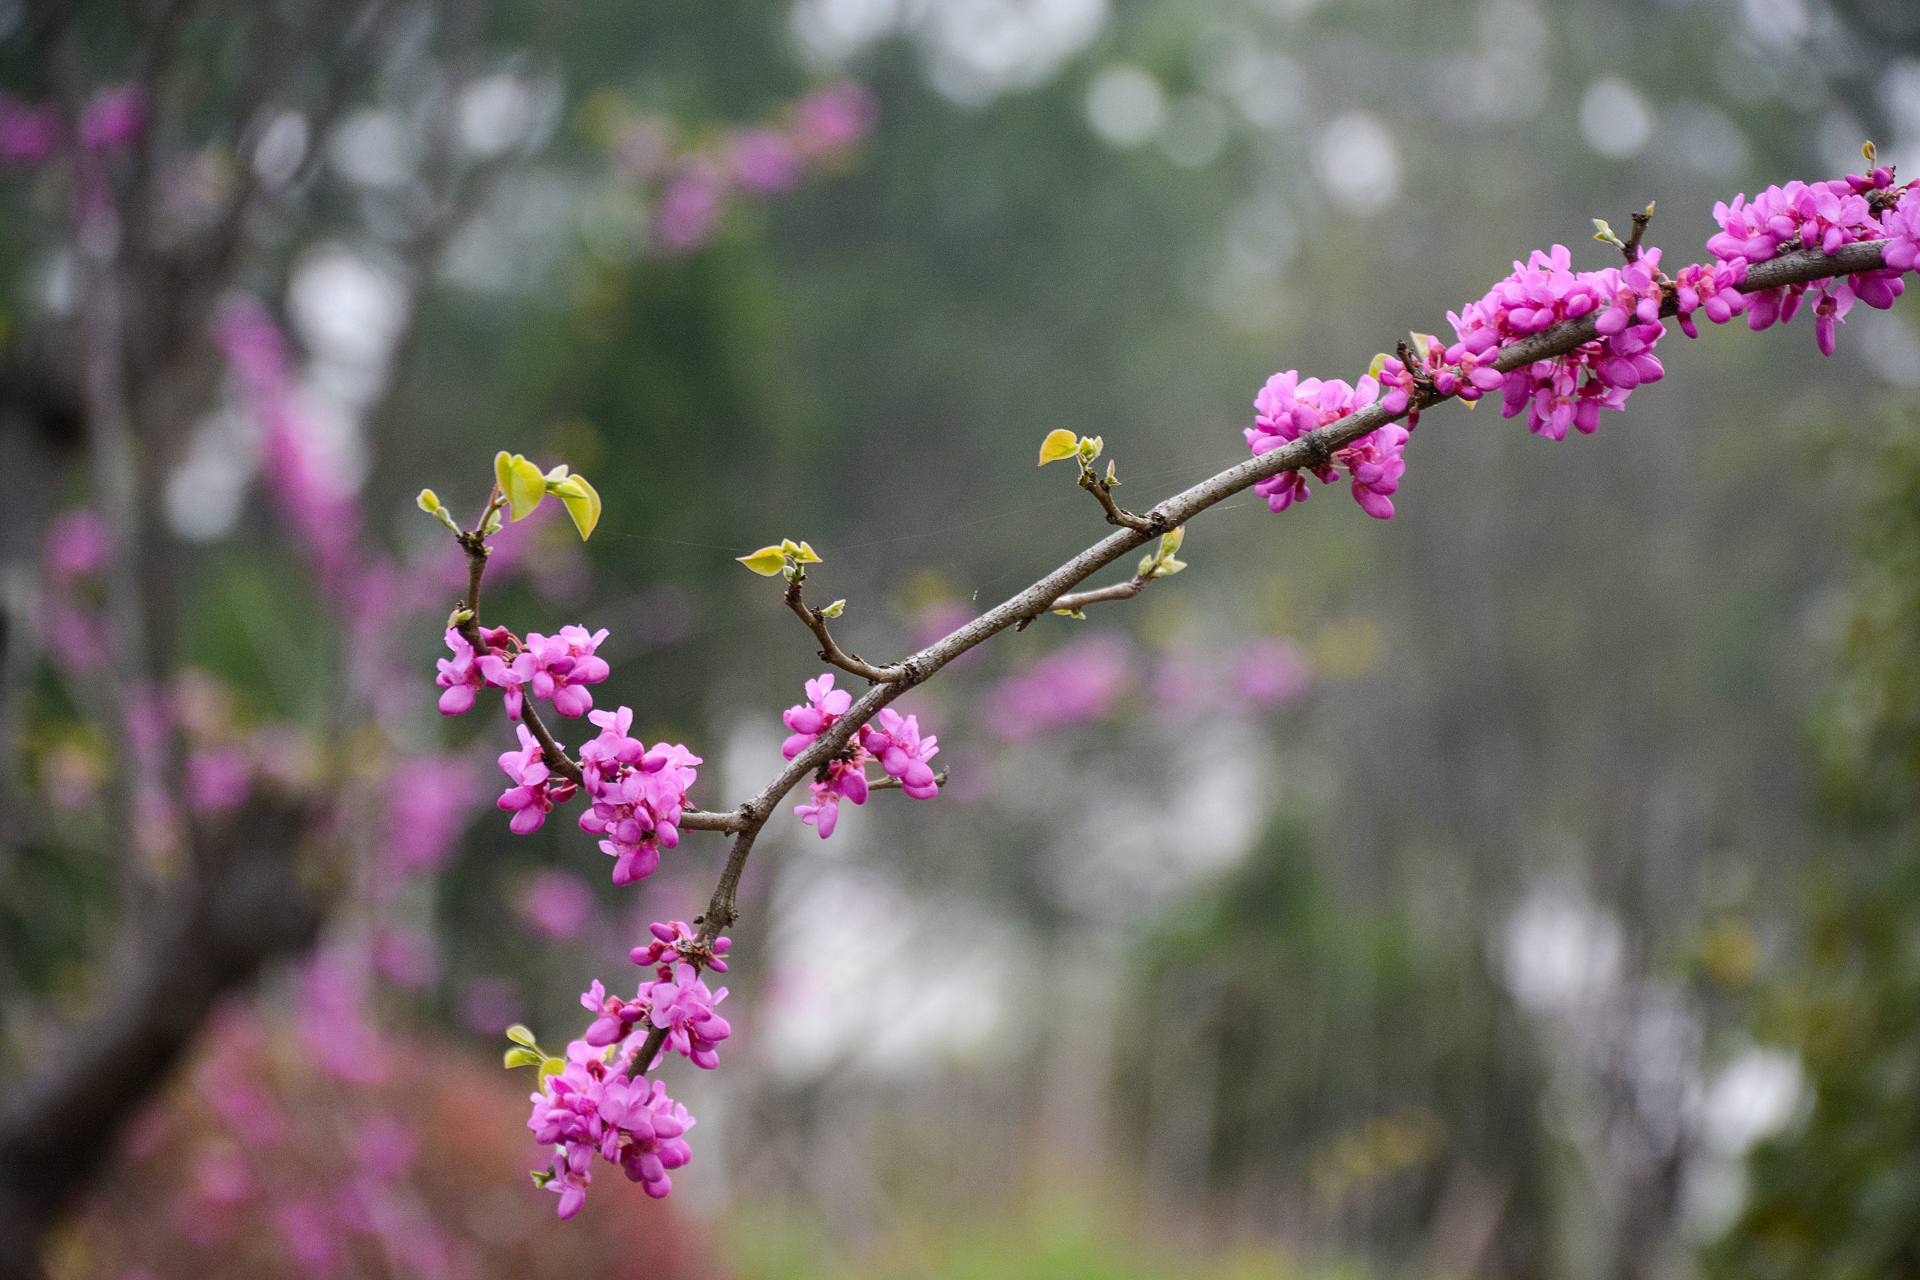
(582, 502)
(428, 501)
(553, 1066)
(1170, 541)
(805, 554)
(1059, 444)
(523, 484)
(520, 1035)
(766, 562)
(519, 1056)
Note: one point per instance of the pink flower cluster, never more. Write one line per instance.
(1627, 303)
(638, 794)
(557, 668)
(1568, 390)
(761, 161)
(1288, 408)
(1827, 216)
(592, 1109)
(31, 135)
(890, 738)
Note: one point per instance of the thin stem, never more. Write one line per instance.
(1116, 514)
(1101, 595)
(830, 650)
(891, 783)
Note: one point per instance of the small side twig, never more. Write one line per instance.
(1116, 514)
(1077, 600)
(891, 783)
(830, 650)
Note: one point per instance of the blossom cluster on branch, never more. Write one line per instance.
(1629, 304)
(1557, 343)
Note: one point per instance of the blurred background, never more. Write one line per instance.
(1528, 886)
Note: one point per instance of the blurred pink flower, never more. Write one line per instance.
(1073, 685)
(556, 905)
(1271, 672)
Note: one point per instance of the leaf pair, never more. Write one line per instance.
(523, 485)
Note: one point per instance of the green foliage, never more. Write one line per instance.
(1838, 1197)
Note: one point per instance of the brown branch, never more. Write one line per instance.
(1313, 448)
(1116, 514)
(1101, 595)
(891, 783)
(830, 650)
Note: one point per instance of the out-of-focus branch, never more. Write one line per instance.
(246, 904)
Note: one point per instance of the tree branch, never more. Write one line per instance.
(830, 650)
(1116, 514)
(1314, 448)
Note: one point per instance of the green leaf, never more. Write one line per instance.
(520, 1035)
(1071, 613)
(428, 501)
(1059, 444)
(553, 1066)
(582, 502)
(524, 486)
(1090, 447)
(805, 554)
(766, 562)
(555, 476)
(1379, 363)
(834, 610)
(1170, 541)
(520, 1056)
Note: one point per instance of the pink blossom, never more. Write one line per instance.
(428, 803)
(825, 704)
(535, 790)
(637, 794)
(556, 905)
(690, 207)
(114, 118)
(29, 135)
(894, 740)
(563, 665)
(845, 778)
(1375, 465)
(1271, 672)
(218, 779)
(765, 162)
(684, 1009)
(590, 1110)
(833, 119)
(674, 941)
(1076, 684)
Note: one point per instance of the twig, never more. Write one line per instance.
(830, 650)
(1101, 595)
(1116, 514)
(891, 783)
